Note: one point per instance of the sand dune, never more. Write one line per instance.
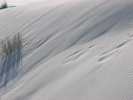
(72, 51)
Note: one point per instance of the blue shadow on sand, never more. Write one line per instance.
(10, 65)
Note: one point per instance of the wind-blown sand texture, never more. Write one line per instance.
(72, 51)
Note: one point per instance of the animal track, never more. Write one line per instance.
(114, 52)
(109, 51)
(73, 57)
(108, 55)
(125, 44)
(131, 36)
(75, 53)
(80, 54)
(93, 46)
(16, 15)
(10, 20)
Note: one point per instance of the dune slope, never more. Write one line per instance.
(72, 51)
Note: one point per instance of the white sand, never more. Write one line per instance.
(72, 51)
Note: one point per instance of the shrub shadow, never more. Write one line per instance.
(10, 65)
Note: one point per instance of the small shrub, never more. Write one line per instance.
(3, 6)
(10, 45)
